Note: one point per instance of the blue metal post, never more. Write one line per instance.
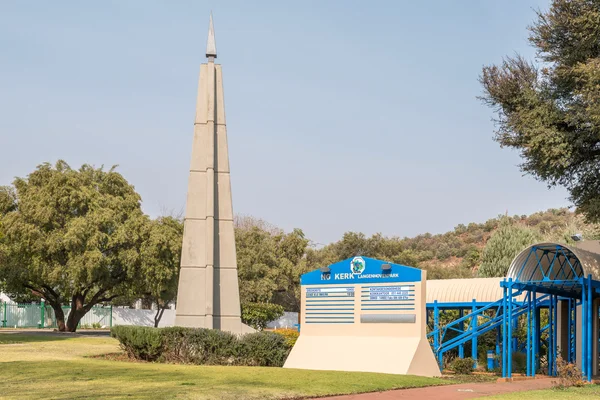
(551, 336)
(529, 334)
(590, 324)
(573, 342)
(510, 332)
(498, 333)
(570, 325)
(461, 347)
(553, 331)
(473, 329)
(504, 331)
(515, 328)
(584, 330)
(538, 335)
(534, 332)
(436, 327)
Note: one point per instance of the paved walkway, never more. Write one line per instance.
(452, 392)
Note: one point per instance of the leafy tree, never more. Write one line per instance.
(291, 263)
(258, 315)
(550, 111)
(72, 236)
(161, 256)
(502, 247)
(257, 263)
(270, 263)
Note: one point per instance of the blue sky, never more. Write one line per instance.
(342, 115)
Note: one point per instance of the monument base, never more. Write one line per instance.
(383, 354)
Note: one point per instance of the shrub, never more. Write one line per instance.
(263, 349)
(258, 315)
(139, 342)
(519, 362)
(462, 366)
(202, 346)
(290, 335)
(176, 346)
(199, 346)
(568, 374)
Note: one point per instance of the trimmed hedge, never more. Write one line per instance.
(140, 343)
(202, 346)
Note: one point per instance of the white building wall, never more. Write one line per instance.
(127, 316)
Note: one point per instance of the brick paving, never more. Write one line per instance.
(452, 392)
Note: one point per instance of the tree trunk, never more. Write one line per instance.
(77, 312)
(159, 313)
(59, 315)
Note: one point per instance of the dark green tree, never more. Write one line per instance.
(549, 109)
(71, 236)
(502, 247)
(270, 263)
(160, 263)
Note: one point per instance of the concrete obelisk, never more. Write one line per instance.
(208, 295)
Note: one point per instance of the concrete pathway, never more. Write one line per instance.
(452, 392)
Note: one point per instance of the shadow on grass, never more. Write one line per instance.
(105, 379)
(16, 338)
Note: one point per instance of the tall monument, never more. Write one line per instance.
(208, 295)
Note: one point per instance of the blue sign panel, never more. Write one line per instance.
(358, 270)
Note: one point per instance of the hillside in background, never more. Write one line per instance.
(271, 261)
(457, 253)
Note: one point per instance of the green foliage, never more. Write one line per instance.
(506, 242)
(462, 366)
(550, 110)
(71, 235)
(258, 315)
(290, 335)
(160, 263)
(141, 343)
(455, 254)
(263, 349)
(202, 346)
(519, 362)
(199, 346)
(270, 263)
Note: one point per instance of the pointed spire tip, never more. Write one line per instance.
(211, 47)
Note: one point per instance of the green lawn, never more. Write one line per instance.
(588, 392)
(37, 366)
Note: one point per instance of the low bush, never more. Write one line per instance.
(519, 362)
(462, 366)
(568, 374)
(199, 346)
(139, 342)
(202, 346)
(263, 349)
(290, 335)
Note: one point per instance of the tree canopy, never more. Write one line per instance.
(71, 236)
(549, 109)
(504, 245)
(160, 261)
(270, 263)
